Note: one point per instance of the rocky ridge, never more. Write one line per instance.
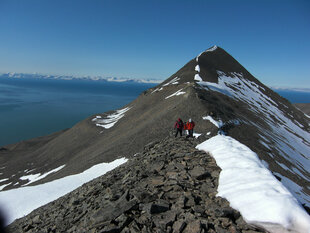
(213, 84)
(169, 187)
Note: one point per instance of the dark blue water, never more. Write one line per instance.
(36, 107)
(295, 96)
(31, 108)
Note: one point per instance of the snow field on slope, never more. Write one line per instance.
(4, 185)
(157, 89)
(2, 180)
(172, 82)
(19, 202)
(252, 189)
(197, 68)
(35, 177)
(287, 136)
(197, 78)
(218, 124)
(111, 119)
(179, 92)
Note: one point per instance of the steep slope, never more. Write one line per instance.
(254, 115)
(214, 90)
(168, 187)
(149, 117)
(271, 126)
(305, 107)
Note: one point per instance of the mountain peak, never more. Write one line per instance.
(207, 66)
(211, 49)
(221, 97)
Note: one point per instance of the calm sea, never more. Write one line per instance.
(295, 96)
(36, 107)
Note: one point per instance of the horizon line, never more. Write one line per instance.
(123, 79)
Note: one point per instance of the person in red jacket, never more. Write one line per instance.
(179, 127)
(190, 127)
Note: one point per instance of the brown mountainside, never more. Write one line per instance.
(212, 84)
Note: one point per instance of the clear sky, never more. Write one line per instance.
(153, 39)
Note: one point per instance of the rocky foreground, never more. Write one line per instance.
(169, 187)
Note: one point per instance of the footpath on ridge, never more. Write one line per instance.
(169, 187)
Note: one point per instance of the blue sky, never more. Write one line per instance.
(153, 39)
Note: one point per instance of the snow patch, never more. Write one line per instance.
(197, 68)
(3, 186)
(4, 180)
(179, 92)
(218, 124)
(172, 82)
(265, 164)
(29, 170)
(110, 120)
(35, 177)
(198, 78)
(264, 144)
(252, 189)
(290, 184)
(157, 90)
(196, 135)
(213, 48)
(21, 201)
(285, 135)
(307, 115)
(199, 56)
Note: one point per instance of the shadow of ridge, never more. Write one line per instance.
(2, 222)
(272, 227)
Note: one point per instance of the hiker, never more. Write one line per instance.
(179, 127)
(185, 128)
(190, 127)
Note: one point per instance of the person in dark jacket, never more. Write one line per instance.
(179, 127)
(190, 127)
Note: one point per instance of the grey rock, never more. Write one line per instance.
(158, 166)
(113, 210)
(167, 188)
(199, 173)
(166, 219)
(36, 219)
(220, 229)
(178, 226)
(111, 228)
(158, 207)
(198, 209)
(193, 227)
(134, 228)
(123, 221)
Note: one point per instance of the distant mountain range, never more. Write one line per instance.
(115, 79)
(259, 140)
(297, 89)
(71, 77)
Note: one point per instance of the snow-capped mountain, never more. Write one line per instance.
(72, 77)
(260, 141)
